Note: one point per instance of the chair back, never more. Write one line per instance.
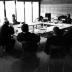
(29, 46)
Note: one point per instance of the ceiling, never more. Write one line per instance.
(57, 1)
(48, 1)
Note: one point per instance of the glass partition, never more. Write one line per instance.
(28, 12)
(1, 12)
(20, 11)
(35, 11)
(10, 9)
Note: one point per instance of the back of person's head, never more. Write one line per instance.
(56, 30)
(13, 15)
(5, 19)
(6, 23)
(24, 28)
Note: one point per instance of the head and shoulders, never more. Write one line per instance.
(57, 35)
(7, 28)
(25, 34)
(7, 23)
(25, 30)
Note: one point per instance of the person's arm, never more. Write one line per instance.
(11, 30)
(36, 38)
(19, 37)
(47, 47)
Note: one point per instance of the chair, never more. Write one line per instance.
(29, 48)
(57, 50)
(56, 46)
(2, 51)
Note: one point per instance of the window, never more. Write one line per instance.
(20, 11)
(10, 9)
(28, 12)
(1, 12)
(35, 10)
(25, 11)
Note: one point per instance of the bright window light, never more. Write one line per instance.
(28, 12)
(20, 11)
(1, 12)
(10, 9)
(35, 10)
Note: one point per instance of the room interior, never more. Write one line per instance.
(30, 12)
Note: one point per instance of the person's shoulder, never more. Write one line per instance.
(28, 33)
(4, 25)
(11, 26)
(52, 37)
(31, 34)
(19, 34)
(4, 28)
(35, 34)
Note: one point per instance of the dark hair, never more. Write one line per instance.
(6, 23)
(13, 15)
(24, 28)
(56, 30)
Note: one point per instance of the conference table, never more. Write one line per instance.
(44, 27)
(48, 26)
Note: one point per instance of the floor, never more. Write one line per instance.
(47, 64)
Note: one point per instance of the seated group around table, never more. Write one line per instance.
(59, 43)
(28, 40)
(60, 40)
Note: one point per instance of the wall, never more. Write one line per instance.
(56, 7)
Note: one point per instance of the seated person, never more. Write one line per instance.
(14, 20)
(56, 43)
(40, 18)
(31, 39)
(6, 36)
(68, 19)
(68, 34)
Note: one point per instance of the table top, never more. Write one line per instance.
(45, 28)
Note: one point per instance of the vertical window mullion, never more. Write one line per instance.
(39, 8)
(15, 9)
(24, 11)
(32, 10)
(4, 8)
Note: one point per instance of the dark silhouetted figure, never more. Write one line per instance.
(41, 18)
(29, 44)
(56, 44)
(65, 19)
(6, 36)
(14, 20)
(68, 19)
(68, 36)
(30, 39)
